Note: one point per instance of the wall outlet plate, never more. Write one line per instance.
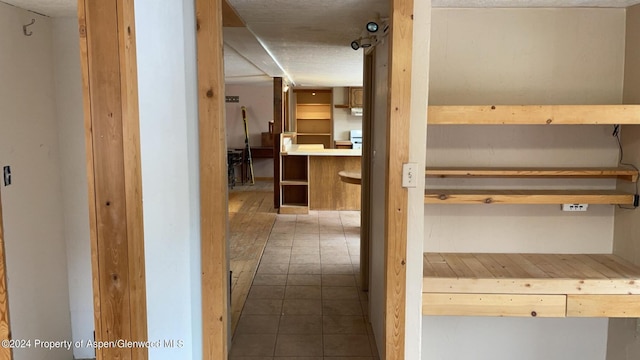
(575, 207)
(409, 175)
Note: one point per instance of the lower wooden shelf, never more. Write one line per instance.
(293, 209)
(458, 196)
(530, 285)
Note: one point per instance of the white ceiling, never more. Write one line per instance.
(307, 41)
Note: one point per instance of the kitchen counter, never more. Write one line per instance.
(318, 150)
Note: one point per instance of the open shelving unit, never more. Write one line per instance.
(314, 117)
(294, 185)
(538, 285)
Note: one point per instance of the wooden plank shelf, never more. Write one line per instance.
(294, 182)
(551, 285)
(534, 114)
(628, 174)
(539, 197)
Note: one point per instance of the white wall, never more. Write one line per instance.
(624, 343)
(258, 99)
(169, 154)
(521, 56)
(35, 244)
(73, 169)
(343, 121)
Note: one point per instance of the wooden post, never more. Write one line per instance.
(112, 136)
(5, 329)
(213, 180)
(400, 63)
(278, 128)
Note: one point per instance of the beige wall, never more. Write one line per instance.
(521, 56)
(343, 121)
(258, 98)
(33, 205)
(623, 336)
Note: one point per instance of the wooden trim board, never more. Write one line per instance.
(623, 173)
(108, 58)
(539, 197)
(534, 114)
(6, 352)
(213, 181)
(396, 197)
(494, 305)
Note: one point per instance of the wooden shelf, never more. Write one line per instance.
(524, 172)
(294, 182)
(456, 196)
(293, 209)
(534, 114)
(542, 285)
(341, 106)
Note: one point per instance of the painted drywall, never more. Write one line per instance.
(32, 206)
(417, 155)
(165, 34)
(343, 121)
(377, 187)
(258, 99)
(461, 338)
(521, 56)
(623, 334)
(75, 205)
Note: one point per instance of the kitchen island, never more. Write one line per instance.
(309, 179)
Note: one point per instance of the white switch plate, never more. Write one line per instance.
(409, 175)
(575, 207)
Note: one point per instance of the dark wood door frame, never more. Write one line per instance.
(6, 352)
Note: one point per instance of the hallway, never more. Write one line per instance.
(304, 302)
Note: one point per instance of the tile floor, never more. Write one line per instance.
(304, 302)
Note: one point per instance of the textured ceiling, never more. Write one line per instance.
(307, 41)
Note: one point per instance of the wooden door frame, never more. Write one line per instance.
(6, 352)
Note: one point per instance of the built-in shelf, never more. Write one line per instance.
(341, 106)
(629, 174)
(294, 182)
(539, 285)
(294, 209)
(314, 134)
(534, 114)
(457, 196)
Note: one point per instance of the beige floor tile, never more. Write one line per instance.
(300, 324)
(270, 279)
(304, 258)
(306, 249)
(338, 250)
(258, 324)
(346, 345)
(338, 280)
(302, 307)
(304, 279)
(336, 259)
(262, 307)
(338, 324)
(305, 269)
(266, 292)
(303, 292)
(329, 236)
(253, 345)
(280, 242)
(307, 229)
(340, 293)
(270, 258)
(337, 269)
(341, 307)
(273, 269)
(306, 243)
(281, 235)
(299, 345)
(306, 236)
(277, 250)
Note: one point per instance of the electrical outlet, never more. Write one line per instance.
(409, 175)
(575, 207)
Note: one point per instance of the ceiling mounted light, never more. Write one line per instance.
(372, 27)
(355, 45)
